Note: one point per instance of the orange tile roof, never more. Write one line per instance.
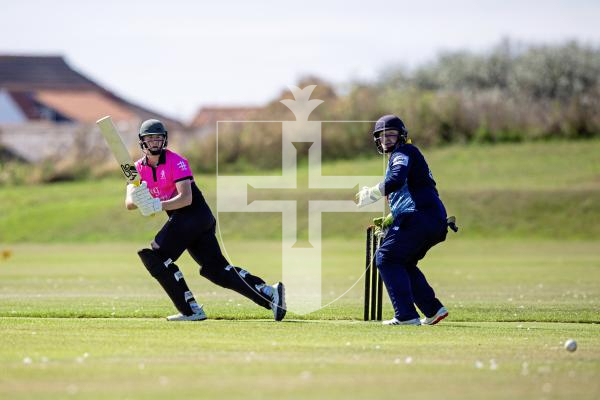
(83, 105)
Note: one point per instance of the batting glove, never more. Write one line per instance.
(140, 194)
(136, 190)
(141, 197)
(150, 206)
(368, 195)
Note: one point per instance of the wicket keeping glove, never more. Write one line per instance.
(382, 224)
(368, 195)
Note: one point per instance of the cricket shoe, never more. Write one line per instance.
(396, 321)
(198, 315)
(278, 301)
(439, 315)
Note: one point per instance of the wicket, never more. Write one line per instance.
(373, 282)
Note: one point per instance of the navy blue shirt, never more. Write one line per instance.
(409, 184)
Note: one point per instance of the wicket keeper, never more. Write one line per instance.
(417, 222)
(168, 184)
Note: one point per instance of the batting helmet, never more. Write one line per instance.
(389, 123)
(152, 127)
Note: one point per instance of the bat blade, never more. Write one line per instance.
(118, 149)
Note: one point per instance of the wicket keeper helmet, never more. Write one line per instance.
(389, 123)
(152, 127)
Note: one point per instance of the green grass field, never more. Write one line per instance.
(81, 318)
(546, 190)
(86, 321)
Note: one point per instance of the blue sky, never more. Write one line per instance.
(177, 56)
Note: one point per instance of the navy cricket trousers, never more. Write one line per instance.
(406, 242)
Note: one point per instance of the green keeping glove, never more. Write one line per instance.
(382, 223)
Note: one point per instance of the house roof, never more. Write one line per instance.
(84, 105)
(26, 103)
(28, 72)
(52, 82)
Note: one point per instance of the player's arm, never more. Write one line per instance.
(183, 197)
(398, 173)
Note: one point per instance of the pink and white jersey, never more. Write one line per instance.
(161, 179)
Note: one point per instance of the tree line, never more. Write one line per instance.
(512, 92)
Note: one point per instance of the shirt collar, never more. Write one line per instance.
(161, 159)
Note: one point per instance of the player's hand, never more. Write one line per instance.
(150, 206)
(379, 232)
(139, 194)
(382, 225)
(384, 222)
(368, 195)
(137, 189)
(136, 192)
(141, 197)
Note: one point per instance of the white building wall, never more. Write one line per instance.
(10, 112)
(44, 140)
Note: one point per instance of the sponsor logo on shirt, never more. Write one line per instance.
(163, 176)
(182, 166)
(400, 159)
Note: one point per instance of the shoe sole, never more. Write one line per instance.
(186, 320)
(281, 308)
(438, 319)
(403, 323)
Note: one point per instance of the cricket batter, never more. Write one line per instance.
(168, 184)
(417, 223)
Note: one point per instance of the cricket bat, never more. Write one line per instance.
(118, 149)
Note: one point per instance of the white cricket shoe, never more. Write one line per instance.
(396, 321)
(198, 315)
(439, 315)
(278, 301)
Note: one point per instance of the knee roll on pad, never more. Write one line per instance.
(159, 265)
(168, 275)
(178, 275)
(154, 262)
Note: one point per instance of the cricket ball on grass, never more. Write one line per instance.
(570, 345)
